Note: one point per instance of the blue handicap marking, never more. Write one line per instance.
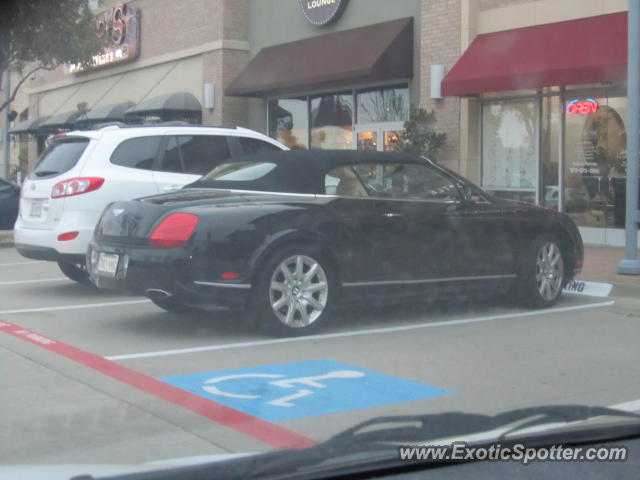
(303, 389)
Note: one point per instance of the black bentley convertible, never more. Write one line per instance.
(287, 235)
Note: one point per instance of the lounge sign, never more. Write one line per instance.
(122, 25)
(322, 12)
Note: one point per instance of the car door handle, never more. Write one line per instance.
(392, 222)
(171, 188)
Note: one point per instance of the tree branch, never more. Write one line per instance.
(15, 90)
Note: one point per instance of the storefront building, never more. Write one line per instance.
(531, 93)
(543, 105)
(332, 74)
(533, 101)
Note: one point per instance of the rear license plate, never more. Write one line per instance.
(108, 263)
(36, 208)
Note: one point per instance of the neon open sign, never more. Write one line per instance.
(582, 107)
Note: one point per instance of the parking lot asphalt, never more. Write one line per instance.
(98, 377)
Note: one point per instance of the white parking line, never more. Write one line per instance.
(74, 307)
(41, 280)
(373, 331)
(631, 406)
(15, 264)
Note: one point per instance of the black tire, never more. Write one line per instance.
(170, 305)
(542, 274)
(300, 298)
(76, 272)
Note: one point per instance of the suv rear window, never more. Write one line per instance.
(252, 145)
(194, 154)
(137, 152)
(61, 156)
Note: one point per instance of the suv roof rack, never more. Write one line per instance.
(112, 125)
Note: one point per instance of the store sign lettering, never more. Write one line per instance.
(122, 25)
(582, 107)
(322, 12)
(319, 3)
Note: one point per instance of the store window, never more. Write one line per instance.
(595, 161)
(370, 119)
(332, 121)
(524, 156)
(509, 153)
(383, 105)
(289, 121)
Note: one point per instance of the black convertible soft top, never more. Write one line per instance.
(301, 171)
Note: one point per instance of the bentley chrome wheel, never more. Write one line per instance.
(549, 271)
(298, 291)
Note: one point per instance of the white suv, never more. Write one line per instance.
(81, 172)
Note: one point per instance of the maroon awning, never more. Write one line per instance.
(587, 50)
(374, 53)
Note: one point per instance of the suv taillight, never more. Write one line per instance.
(174, 231)
(76, 186)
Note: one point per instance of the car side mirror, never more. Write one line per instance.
(470, 196)
(467, 194)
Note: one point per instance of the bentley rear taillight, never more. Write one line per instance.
(174, 231)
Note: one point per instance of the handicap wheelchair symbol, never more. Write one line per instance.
(308, 388)
(211, 385)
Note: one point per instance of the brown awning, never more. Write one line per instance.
(374, 53)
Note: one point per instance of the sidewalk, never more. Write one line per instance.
(601, 265)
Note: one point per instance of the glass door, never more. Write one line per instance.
(377, 137)
(367, 140)
(595, 161)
